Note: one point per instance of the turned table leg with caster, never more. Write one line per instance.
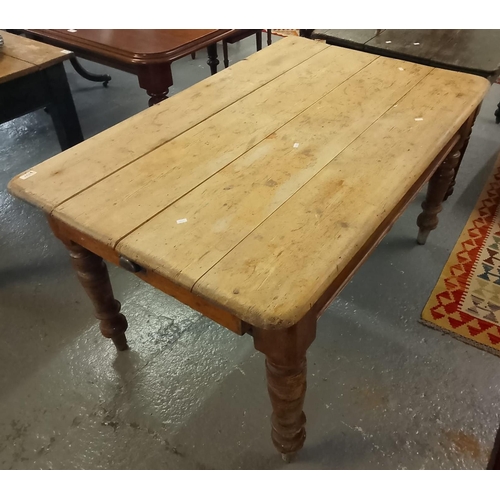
(92, 273)
(436, 191)
(285, 352)
(441, 183)
(213, 60)
(466, 133)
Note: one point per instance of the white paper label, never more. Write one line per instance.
(29, 173)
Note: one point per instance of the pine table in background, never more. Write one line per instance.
(32, 76)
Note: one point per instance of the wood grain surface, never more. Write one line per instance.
(255, 188)
(20, 56)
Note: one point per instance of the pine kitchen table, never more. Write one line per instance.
(254, 195)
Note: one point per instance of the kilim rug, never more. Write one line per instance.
(466, 299)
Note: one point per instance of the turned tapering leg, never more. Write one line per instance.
(287, 390)
(436, 191)
(93, 275)
(213, 60)
(465, 136)
(285, 352)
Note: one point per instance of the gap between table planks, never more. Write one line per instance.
(298, 290)
(144, 188)
(374, 173)
(59, 178)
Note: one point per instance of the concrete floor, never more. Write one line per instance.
(385, 392)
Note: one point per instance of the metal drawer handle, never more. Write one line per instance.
(129, 265)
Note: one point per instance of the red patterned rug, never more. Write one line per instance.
(466, 299)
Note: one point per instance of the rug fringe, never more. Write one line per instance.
(457, 336)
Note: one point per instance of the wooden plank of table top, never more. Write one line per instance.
(38, 54)
(355, 39)
(228, 206)
(67, 174)
(476, 51)
(11, 68)
(141, 190)
(275, 275)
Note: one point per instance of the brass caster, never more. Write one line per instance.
(422, 236)
(288, 457)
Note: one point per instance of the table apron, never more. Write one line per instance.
(226, 318)
(212, 311)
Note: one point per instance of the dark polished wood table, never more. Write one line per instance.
(32, 76)
(145, 53)
(468, 51)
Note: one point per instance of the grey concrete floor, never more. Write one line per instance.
(385, 392)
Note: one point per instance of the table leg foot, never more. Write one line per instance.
(288, 457)
(497, 114)
(156, 98)
(422, 236)
(436, 191)
(285, 352)
(93, 275)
